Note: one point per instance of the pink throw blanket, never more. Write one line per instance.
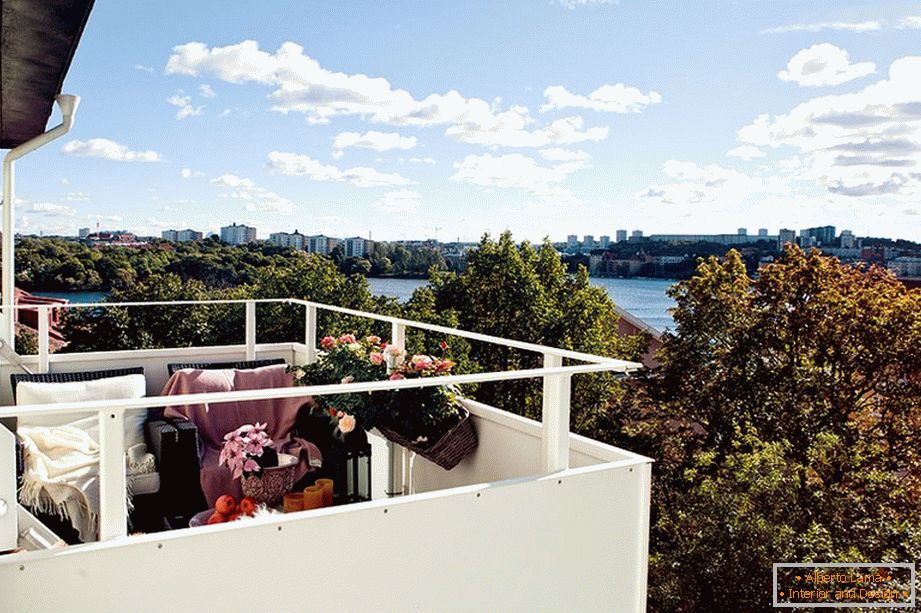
(214, 421)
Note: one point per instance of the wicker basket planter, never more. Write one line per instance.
(270, 484)
(456, 444)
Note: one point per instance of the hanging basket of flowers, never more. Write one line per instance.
(430, 421)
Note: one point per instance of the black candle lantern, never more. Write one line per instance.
(352, 480)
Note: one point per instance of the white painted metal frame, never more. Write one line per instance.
(555, 443)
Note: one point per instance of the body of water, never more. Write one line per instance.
(77, 297)
(644, 298)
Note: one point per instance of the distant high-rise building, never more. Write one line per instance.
(188, 235)
(848, 241)
(588, 242)
(181, 236)
(762, 232)
(621, 235)
(572, 243)
(357, 247)
(742, 232)
(321, 244)
(295, 240)
(238, 234)
(604, 241)
(785, 236)
(636, 235)
(823, 235)
(83, 232)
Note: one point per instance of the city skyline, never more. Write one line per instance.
(305, 116)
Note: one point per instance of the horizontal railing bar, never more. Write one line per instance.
(566, 353)
(487, 338)
(149, 402)
(88, 305)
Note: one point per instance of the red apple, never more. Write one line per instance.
(226, 504)
(237, 515)
(217, 518)
(248, 506)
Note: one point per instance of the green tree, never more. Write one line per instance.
(784, 421)
(515, 291)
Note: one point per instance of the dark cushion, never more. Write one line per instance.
(242, 365)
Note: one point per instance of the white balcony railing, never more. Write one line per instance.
(524, 455)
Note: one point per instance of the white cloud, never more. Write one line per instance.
(517, 171)
(691, 184)
(50, 209)
(425, 160)
(557, 154)
(618, 98)
(101, 218)
(572, 4)
(912, 22)
(255, 198)
(745, 152)
(188, 173)
(143, 68)
(293, 164)
(507, 129)
(847, 26)
(183, 103)
(862, 143)
(301, 85)
(206, 91)
(824, 64)
(399, 201)
(109, 150)
(231, 180)
(378, 141)
(78, 196)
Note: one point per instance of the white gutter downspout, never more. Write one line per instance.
(68, 105)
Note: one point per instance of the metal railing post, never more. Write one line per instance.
(113, 509)
(250, 330)
(400, 474)
(555, 417)
(310, 333)
(43, 341)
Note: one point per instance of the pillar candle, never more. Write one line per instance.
(294, 502)
(313, 497)
(327, 485)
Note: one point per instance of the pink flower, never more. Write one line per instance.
(376, 358)
(396, 376)
(328, 342)
(347, 339)
(346, 423)
(443, 345)
(421, 362)
(373, 340)
(347, 379)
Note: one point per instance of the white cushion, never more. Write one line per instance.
(124, 387)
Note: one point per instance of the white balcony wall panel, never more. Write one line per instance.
(572, 541)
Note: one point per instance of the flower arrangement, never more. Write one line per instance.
(247, 450)
(422, 414)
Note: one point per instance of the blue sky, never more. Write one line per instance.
(417, 119)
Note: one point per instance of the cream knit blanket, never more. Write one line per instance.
(61, 475)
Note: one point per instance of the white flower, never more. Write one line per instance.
(346, 423)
